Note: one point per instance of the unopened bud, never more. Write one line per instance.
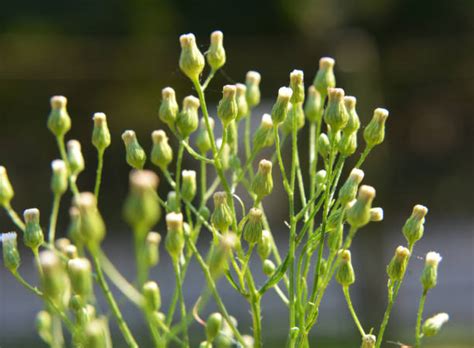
(336, 115)
(348, 191)
(227, 108)
(262, 184)
(96, 334)
(324, 147)
(188, 187)
(374, 133)
(347, 145)
(172, 204)
(43, 326)
(71, 251)
(54, 277)
(169, 108)
(264, 246)
(92, 226)
(203, 141)
(376, 214)
(222, 216)
(220, 254)
(152, 248)
(252, 81)
(320, 180)
(161, 152)
(74, 228)
(397, 266)
(135, 155)
(268, 268)
(61, 244)
(297, 86)
(433, 325)
(325, 78)
(174, 241)
(59, 178)
(429, 277)
(151, 296)
(80, 275)
(353, 123)
(191, 60)
(213, 326)
(313, 108)
(74, 157)
(11, 256)
(216, 54)
(368, 341)
(100, 134)
(33, 236)
(358, 214)
(188, 119)
(242, 104)
(345, 273)
(254, 226)
(414, 226)
(59, 122)
(280, 108)
(294, 111)
(264, 134)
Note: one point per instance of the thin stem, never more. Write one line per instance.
(14, 216)
(140, 256)
(179, 162)
(203, 182)
(363, 156)
(62, 151)
(98, 176)
(247, 138)
(179, 288)
(209, 78)
(194, 154)
(255, 304)
(419, 317)
(280, 160)
(345, 290)
(57, 332)
(54, 219)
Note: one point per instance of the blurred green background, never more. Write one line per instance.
(414, 58)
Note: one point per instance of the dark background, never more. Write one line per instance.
(414, 58)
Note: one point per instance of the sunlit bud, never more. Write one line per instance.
(61, 244)
(33, 236)
(324, 147)
(368, 341)
(313, 107)
(320, 180)
(294, 111)
(414, 228)
(97, 334)
(358, 214)
(376, 214)
(226, 154)
(221, 218)
(242, 104)
(213, 326)
(432, 325)
(191, 60)
(6, 189)
(92, 226)
(205, 212)
(161, 152)
(216, 53)
(345, 273)
(43, 326)
(100, 134)
(174, 241)
(142, 209)
(280, 108)
(264, 246)
(74, 228)
(347, 145)
(374, 133)
(152, 248)
(59, 122)
(254, 226)
(268, 267)
(188, 188)
(397, 266)
(429, 277)
(248, 340)
(225, 338)
(151, 296)
(227, 108)
(336, 115)
(74, 157)
(348, 191)
(252, 81)
(135, 155)
(188, 119)
(203, 141)
(169, 108)
(59, 177)
(80, 275)
(11, 256)
(262, 184)
(205, 344)
(325, 78)
(71, 251)
(263, 136)
(172, 204)
(297, 86)
(353, 123)
(54, 277)
(220, 254)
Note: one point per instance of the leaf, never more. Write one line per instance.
(276, 277)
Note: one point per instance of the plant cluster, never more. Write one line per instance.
(325, 214)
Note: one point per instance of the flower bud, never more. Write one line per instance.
(376, 214)
(97, 334)
(268, 268)
(205, 344)
(264, 246)
(11, 256)
(61, 244)
(59, 122)
(188, 119)
(345, 273)
(174, 241)
(294, 110)
(80, 275)
(242, 104)
(152, 248)
(216, 53)
(320, 180)
(348, 191)
(413, 228)
(59, 178)
(297, 86)
(169, 108)
(6, 189)
(74, 228)
(221, 218)
(91, 226)
(325, 78)
(100, 133)
(313, 108)
(336, 115)
(54, 277)
(172, 204)
(225, 154)
(429, 277)
(432, 325)
(188, 187)
(142, 209)
(358, 214)
(280, 108)
(213, 326)
(203, 141)
(262, 184)
(368, 341)
(254, 226)
(33, 235)
(374, 133)
(335, 236)
(161, 152)
(353, 123)
(151, 296)
(252, 81)
(219, 255)
(135, 155)
(71, 251)
(191, 60)
(324, 147)
(263, 136)
(43, 326)
(227, 108)
(74, 157)
(348, 144)
(397, 266)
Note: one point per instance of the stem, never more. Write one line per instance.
(140, 257)
(57, 332)
(14, 216)
(363, 156)
(62, 151)
(98, 176)
(179, 288)
(419, 317)
(203, 182)
(257, 321)
(386, 315)
(247, 138)
(345, 290)
(54, 219)
(179, 161)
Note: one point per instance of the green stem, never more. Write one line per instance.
(194, 154)
(255, 304)
(419, 317)
(247, 137)
(53, 219)
(345, 290)
(57, 332)
(209, 78)
(203, 183)
(363, 156)
(179, 162)
(179, 288)
(140, 256)
(98, 176)
(14, 216)
(62, 151)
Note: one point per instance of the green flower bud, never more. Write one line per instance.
(59, 122)
(6, 189)
(188, 187)
(59, 179)
(43, 326)
(225, 339)
(358, 214)
(348, 144)
(345, 273)
(368, 341)
(348, 191)
(324, 147)
(232, 135)
(263, 136)
(213, 326)
(142, 209)
(169, 108)
(174, 241)
(320, 180)
(268, 268)
(252, 81)
(221, 217)
(152, 248)
(97, 334)
(262, 184)
(191, 60)
(242, 104)
(374, 133)
(161, 152)
(135, 155)
(227, 108)
(151, 296)
(54, 277)
(325, 78)
(100, 134)
(432, 325)
(297, 86)
(226, 152)
(413, 228)
(205, 212)
(74, 228)
(249, 341)
(188, 119)
(71, 252)
(336, 115)
(429, 277)
(353, 123)
(205, 344)
(11, 256)
(80, 275)
(33, 235)
(61, 244)
(280, 108)
(172, 204)
(313, 108)
(216, 53)
(294, 110)
(91, 226)
(203, 141)
(254, 226)
(397, 266)
(264, 246)
(376, 214)
(335, 236)
(74, 157)
(220, 254)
